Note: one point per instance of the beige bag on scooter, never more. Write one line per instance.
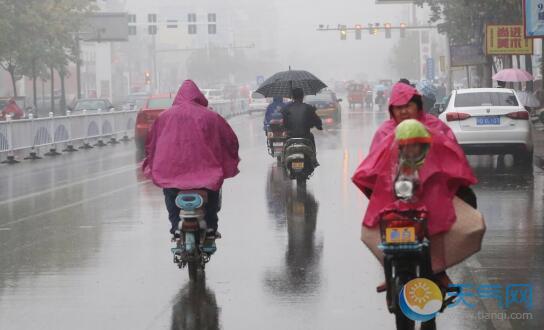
(447, 249)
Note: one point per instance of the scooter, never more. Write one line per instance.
(276, 137)
(299, 160)
(406, 246)
(193, 247)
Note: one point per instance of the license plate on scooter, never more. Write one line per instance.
(297, 165)
(400, 235)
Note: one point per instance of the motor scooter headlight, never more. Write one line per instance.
(404, 189)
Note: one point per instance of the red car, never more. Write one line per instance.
(150, 111)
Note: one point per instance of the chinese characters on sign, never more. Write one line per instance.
(510, 295)
(507, 40)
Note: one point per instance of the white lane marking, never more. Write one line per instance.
(5, 229)
(490, 306)
(93, 178)
(86, 227)
(67, 206)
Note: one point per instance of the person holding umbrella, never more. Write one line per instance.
(299, 118)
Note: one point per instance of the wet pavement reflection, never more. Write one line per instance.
(84, 244)
(195, 307)
(299, 277)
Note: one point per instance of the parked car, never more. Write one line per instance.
(213, 94)
(92, 105)
(258, 102)
(135, 101)
(490, 121)
(150, 111)
(328, 106)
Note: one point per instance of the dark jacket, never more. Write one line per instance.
(299, 118)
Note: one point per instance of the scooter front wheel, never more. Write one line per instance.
(429, 325)
(403, 322)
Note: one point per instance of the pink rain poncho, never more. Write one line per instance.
(445, 170)
(190, 146)
(401, 94)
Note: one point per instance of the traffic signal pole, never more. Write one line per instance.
(400, 27)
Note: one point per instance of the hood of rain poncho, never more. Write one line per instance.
(444, 171)
(190, 146)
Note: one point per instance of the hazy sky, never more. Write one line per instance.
(294, 26)
(323, 52)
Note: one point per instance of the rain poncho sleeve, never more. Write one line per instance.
(445, 170)
(190, 146)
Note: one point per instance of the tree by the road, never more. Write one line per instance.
(37, 34)
(464, 20)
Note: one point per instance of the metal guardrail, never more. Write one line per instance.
(53, 132)
(33, 135)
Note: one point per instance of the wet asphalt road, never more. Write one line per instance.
(84, 244)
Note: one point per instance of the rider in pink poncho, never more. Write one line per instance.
(446, 170)
(191, 147)
(445, 173)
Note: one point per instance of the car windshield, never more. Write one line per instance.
(257, 96)
(485, 99)
(91, 105)
(162, 103)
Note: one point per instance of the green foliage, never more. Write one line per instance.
(37, 34)
(465, 20)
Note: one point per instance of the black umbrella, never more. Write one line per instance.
(282, 83)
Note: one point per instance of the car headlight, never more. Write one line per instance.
(404, 189)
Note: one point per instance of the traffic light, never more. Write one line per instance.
(402, 30)
(376, 29)
(358, 32)
(388, 30)
(147, 78)
(343, 33)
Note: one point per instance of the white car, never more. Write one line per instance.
(212, 94)
(258, 103)
(490, 121)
